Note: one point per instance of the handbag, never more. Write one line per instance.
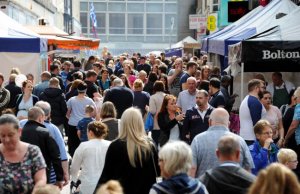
(149, 122)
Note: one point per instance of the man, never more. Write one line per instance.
(204, 144)
(40, 87)
(191, 68)
(64, 73)
(120, 96)
(187, 98)
(196, 118)
(217, 98)
(251, 110)
(34, 132)
(143, 66)
(119, 65)
(280, 89)
(174, 76)
(92, 89)
(54, 70)
(13, 89)
(229, 99)
(228, 177)
(77, 67)
(56, 98)
(55, 133)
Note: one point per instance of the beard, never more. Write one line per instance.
(260, 94)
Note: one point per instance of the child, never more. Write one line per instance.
(288, 158)
(82, 124)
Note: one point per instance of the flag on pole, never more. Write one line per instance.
(93, 19)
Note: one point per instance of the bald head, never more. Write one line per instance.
(219, 116)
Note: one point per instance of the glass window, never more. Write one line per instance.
(120, 7)
(171, 7)
(101, 22)
(83, 19)
(154, 7)
(84, 30)
(154, 23)
(135, 7)
(135, 23)
(171, 0)
(173, 39)
(117, 38)
(154, 0)
(83, 6)
(100, 6)
(154, 38)
(116, 23)
(135, 38)
(169, 20)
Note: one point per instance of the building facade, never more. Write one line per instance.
(137, 24)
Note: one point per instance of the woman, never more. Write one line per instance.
(155, 103)
(76, 109)
(124, 78)
(140, 97)
(175, 160)
(263, 150)
(128, 72)
(22, 165)
(164, 78)
(169, 121)
(73, 89)
(273, 115)
(275, 179)
(108, 115)
(89, 157)
(149, 85)
(205, 72)
(25, 101)
(131, 158)
(104, 83)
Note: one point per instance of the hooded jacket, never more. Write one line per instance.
(56, 99)
(179, 184)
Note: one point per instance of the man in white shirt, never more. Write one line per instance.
(280, 89)
(187, 98)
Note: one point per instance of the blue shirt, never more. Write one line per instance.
(297, 117)
(39, 88)
(82, 127)
(183, 79)
(262, 157)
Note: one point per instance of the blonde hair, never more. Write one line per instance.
(47, 189)
(275, 179)
(111, 187)
(133, 132)
(177, 157)
(138, 84)
(286, 155)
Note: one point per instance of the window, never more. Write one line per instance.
(116, 23)
(171, 7)
(170, 20)
(154, 23)
(83, 19)
(100, 23)
(83, 6)
(100, 6)
(135, 7)
(215, 6)
(135, 24)
(154, 7)
(119, 7)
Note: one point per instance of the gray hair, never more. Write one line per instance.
(177, 157)
(118, 82)
(45, 106)
(204, 92)
(219, 116)
(34, 113)
(9, 119)
(228, 145)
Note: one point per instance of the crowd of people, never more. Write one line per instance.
(147, 124)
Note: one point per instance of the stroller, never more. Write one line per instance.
(74, 187)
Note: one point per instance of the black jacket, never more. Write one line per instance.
(56, 98)
(121, 97)
(37, 134)
(14, 91)
(165, 125)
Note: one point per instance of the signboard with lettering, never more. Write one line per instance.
(268, 56)
(237, 9)
(197, 22)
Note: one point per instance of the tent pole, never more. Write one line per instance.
(242, 81)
